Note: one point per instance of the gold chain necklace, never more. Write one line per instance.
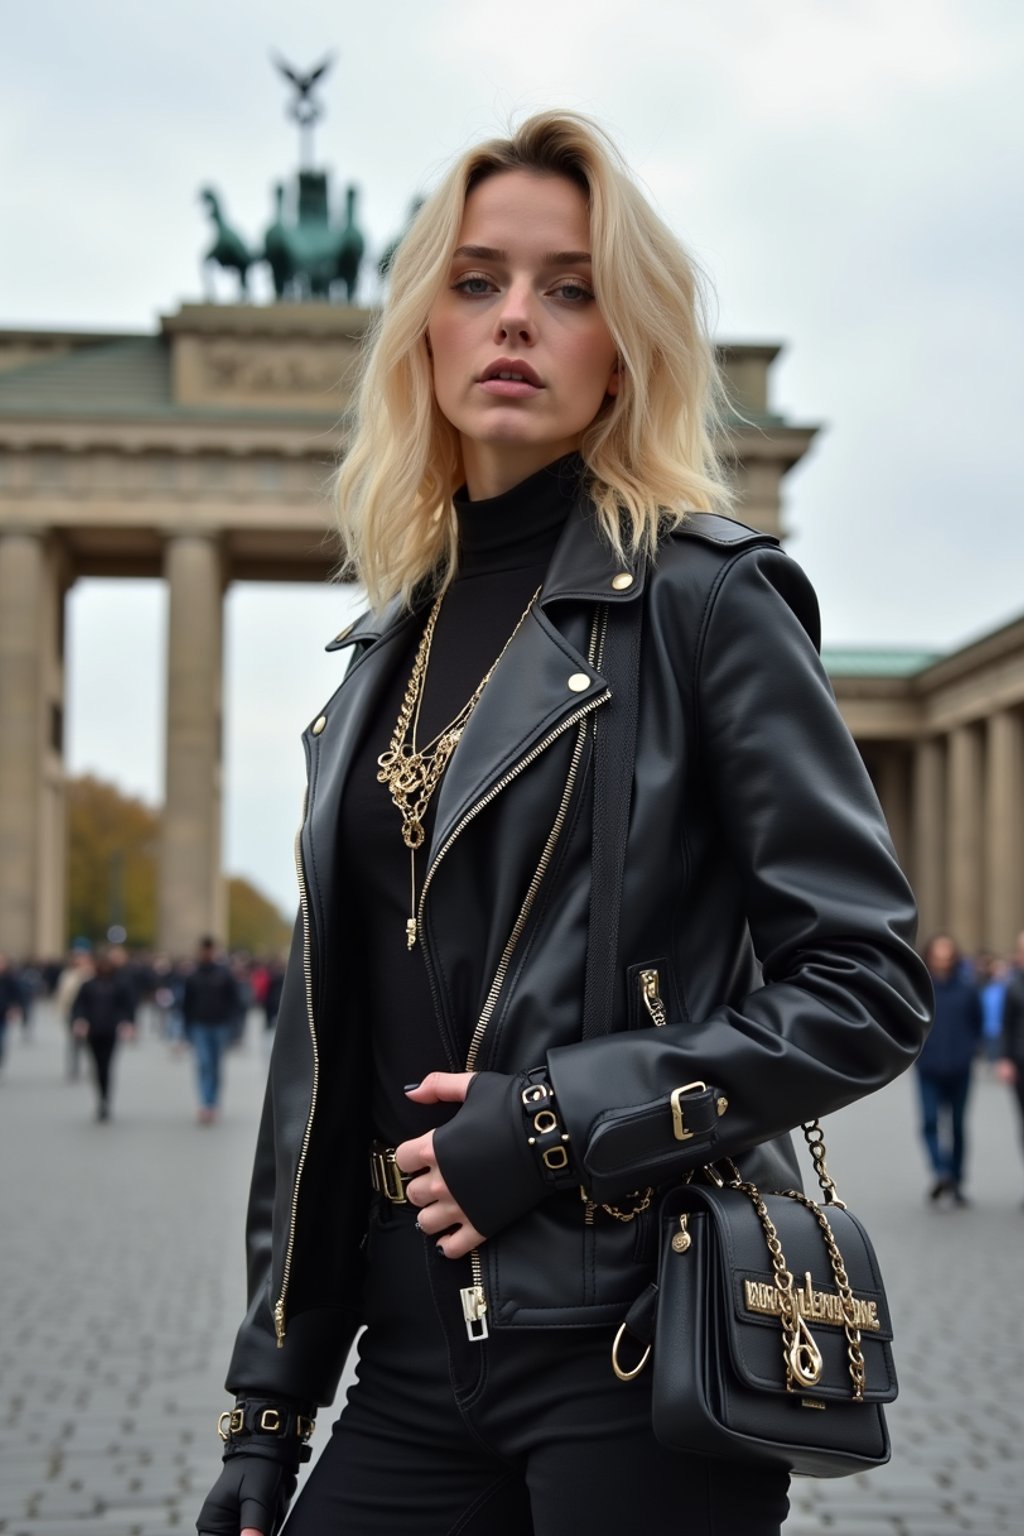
(413, 773)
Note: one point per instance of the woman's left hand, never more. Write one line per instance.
(439, 1210)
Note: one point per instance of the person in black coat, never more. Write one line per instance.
(212, 1007)
(12, 1001)
(104, 1014)
(1010, 1065)
(944, 1067)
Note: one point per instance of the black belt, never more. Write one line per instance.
(386, 1176)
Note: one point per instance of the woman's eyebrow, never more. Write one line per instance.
(552, 259)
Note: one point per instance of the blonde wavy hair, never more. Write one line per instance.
(650, 450)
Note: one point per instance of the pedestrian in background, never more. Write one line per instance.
(104, 1014)
(944, 1067)
(992, 974)
(1010, 1066)
(12, 1003)
(76, 972)
(211, 1006)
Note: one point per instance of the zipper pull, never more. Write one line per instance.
(474, 1310)
(652, 999)
(279, 1321)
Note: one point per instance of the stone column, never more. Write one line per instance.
(191, 895)
(966, 872)
(891, 784)
(32, 852)
(1004, 830)
(928, 833)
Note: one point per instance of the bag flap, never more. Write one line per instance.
(747, 1301)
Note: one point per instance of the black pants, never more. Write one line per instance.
(524, 1434)
(102, 1045)
(1018, 1089)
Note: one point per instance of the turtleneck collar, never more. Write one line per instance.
(521, 526)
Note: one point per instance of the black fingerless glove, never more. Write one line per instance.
(485, 1156)
(265, 1443)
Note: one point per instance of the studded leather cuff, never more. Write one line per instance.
(261, 1427)
(546, 1136)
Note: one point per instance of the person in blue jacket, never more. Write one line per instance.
(944, 1067)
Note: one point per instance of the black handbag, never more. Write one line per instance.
(773, 1339)
(769, 1328)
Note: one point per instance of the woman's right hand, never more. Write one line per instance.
(250, 1498)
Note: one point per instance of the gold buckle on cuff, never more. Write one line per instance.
(679, 1130)
(386, 1176)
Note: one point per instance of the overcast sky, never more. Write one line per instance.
(849, 172)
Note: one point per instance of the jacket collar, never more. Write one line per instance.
(584, 568)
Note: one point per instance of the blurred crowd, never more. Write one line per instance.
(104, 995)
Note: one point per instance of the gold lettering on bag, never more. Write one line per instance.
(816, 1306)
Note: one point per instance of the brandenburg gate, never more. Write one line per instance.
(202, 454)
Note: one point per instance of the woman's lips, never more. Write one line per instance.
(510, 389)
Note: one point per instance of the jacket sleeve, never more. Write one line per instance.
(845, 1002)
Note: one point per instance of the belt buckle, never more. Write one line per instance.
(386, 1176)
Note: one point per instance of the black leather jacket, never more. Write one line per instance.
(760, 884)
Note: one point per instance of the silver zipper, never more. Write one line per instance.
(307, 968)
(474, 1302)
(652, 997)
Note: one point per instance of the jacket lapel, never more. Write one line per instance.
(539, 683)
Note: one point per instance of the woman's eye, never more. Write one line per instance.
(575, 293)
(472, 285)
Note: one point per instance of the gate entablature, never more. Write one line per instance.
(201, 454)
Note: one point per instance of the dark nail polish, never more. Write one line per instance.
(440, 1249)
(408, 1087)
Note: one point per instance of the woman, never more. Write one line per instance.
(104, 1015)
(542, 348)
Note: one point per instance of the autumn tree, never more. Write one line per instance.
(113, 843)
(254, 923)
(112, 849)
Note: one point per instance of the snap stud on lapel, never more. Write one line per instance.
(318, 724)
(622, 582)
(579, 682)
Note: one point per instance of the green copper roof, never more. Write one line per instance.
(867, 661)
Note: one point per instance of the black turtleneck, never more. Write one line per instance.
(505, 545)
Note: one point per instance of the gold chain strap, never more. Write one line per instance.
(803, 1359)
(643, 1204)
(854, 1352)
(815, 1138)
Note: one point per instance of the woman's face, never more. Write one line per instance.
(519, 301)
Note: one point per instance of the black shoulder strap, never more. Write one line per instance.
(614, 753)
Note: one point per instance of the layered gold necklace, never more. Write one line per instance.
(413, 773)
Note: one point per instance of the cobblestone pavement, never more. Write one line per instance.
(121, 1282)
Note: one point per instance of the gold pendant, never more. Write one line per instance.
(410, 933)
